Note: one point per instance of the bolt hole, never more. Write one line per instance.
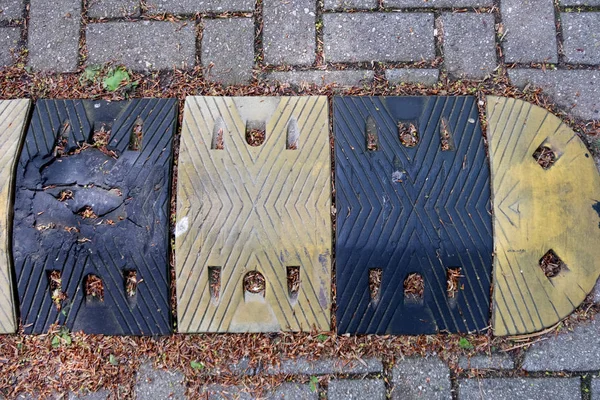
(445, 135)
(218, 130)
(375, 275)
(453, 284)
(214, 282)
(94, 288)
(255, 133)
(131, 282)
(137, 134)
(55, 283)
(293, 281)
(551, 264)
(414, 288)
(544, 156)
(408, 133)
(254, 282)
(293, 135)
(372, 137)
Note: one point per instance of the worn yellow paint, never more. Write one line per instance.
(247, 208)
(13, 114)
(535, 210)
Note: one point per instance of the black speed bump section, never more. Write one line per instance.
(414, 234)
(90, 236)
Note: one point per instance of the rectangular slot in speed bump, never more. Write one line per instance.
(262, 208)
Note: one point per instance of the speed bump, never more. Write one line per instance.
(90, 231)
(13, 115)
(414, 234)
(253, 234)
(546, 217)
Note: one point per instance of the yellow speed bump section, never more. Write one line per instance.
(253, 233)
(546, 195)
(13, 114)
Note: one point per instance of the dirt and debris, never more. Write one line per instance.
(408, 134)
(254, 282)
(414, 287)
(55, 282)
(293, 281)
(445, 135)
(214, 282)
(551, 264)
(94, 287)
(375, 275)
(453, 282)
(131, 282)
(255, 137)
(544, 156)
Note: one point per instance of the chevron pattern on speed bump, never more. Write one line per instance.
(90, 237)
(244, 211)
(13, 115)
(540, 207)
(405, 210)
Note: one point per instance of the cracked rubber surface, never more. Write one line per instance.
(244, 208)
(13, 115)
(538, 209)
(128, 192)
(411, 210)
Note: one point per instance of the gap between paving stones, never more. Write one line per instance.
(92, 353)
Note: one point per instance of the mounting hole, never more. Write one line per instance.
(414, 288)
(408, 133)
(293, 281)
(214, 282)
(55, 283)
(375, 275)
(453, 284)
(94, 288)
(551, 264)
(544, 156)
(254, 282)
(131, 282)
(445, 135)
(255, 133)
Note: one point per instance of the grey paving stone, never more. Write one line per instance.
(569, 351)
(99, 395)
(421, 378)
(345, 78)
(581, 37)
(113, 8)
(437, 3)
(351, 4)
(580, 2)
(220, 392)
(530, 33)
(53, 42)
(158, 384)
(289, 32)
(325, 366)
(427, 77)
(576, 91)
(519, 388)
(9, 45)
(595, 388)
(198, 6)
(293, 391)
(369, 37)
(347, 389)
(11, 9)
(228, 44)
(144, 45)
(469, 44)
(482, 361)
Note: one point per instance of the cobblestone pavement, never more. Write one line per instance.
(551, 44)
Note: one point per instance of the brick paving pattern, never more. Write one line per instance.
(311, 42)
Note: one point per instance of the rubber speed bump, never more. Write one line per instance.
(414, 235)
(253, 233)
(13, 115)
(90, 237)
(546, 217)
